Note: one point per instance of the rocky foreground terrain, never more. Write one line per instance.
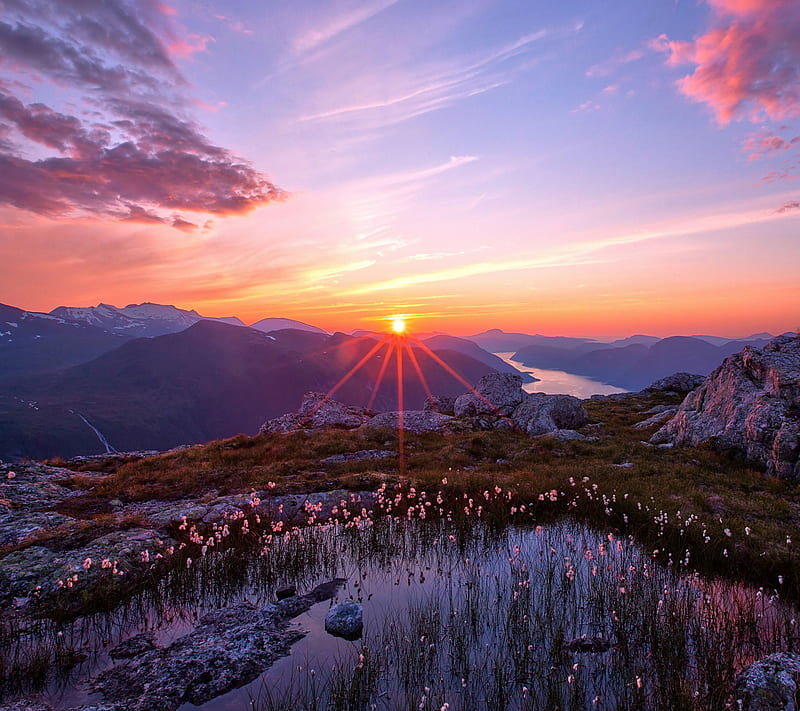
(749, 404)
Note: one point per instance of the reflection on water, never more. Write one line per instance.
(464, 613)
(555, 382)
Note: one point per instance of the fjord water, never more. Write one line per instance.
(558, 382)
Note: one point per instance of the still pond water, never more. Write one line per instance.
(476, 616)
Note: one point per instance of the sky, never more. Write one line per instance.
(584, 168)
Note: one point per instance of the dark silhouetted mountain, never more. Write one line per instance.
(136, 320)
(209, 381)
(634, 366)
(268, 325)
(497, 341)
(472, 349)
(38, 343)
(637, 339)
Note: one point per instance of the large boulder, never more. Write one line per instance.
(676, 383)
(539, 413)
(495, 394)
(770, 684)
(318, 411)
(750, 403)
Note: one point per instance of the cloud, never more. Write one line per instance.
(313, 38)
(747, 63)
(618, 60)
(765, 142)
(789, 206)
(128, 150)
(438, 88)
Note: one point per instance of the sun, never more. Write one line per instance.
(399, 325)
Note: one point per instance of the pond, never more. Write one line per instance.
(462, 611)
(556, 382)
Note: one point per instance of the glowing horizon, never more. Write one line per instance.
(557, 170)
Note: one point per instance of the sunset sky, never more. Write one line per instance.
(581, 168)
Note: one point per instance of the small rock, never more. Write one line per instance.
(584, 643)
(676, 383)
(345, 620)
(285, 591)
(133, 647)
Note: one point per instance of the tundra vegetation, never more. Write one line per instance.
(603, 573)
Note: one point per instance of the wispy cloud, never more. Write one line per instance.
(579, 253)
(431, 89)
(316, 36)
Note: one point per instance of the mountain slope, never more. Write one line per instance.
(209, 381)
(268, 325)
(38, 343)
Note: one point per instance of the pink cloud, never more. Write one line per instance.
(764, 142)
(747, 63)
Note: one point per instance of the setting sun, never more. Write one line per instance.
(399, 325)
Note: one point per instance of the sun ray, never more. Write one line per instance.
(464, 382)
(389, 351)
(350, 373)
(413, 358)
(400, 423)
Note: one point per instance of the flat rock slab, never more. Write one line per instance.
(770, 684)
(228, 648)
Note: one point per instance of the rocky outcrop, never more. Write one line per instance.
(540, 414)
(751, 404)
(228, 647)
(676, 383)
(416, 421)
(770, 684)
(440, 403)
(318, 411)
(497, 402)
(495, 394)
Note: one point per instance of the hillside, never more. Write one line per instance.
(210, 381)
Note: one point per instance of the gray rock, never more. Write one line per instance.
(360, 456)
(416, 421)
(133, 647)
(568, 436)
(22, 571)
(345, 620)
(540, 413)
(440, 403)
(770, 684)
(228, 648)
(676, 383)
(750, 403)
(318, 411)
(495, 394)
(656, 419)
(285, 591)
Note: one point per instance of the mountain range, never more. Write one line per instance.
(208, 381)
(151, 376)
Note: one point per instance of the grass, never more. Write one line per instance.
(652, 496)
